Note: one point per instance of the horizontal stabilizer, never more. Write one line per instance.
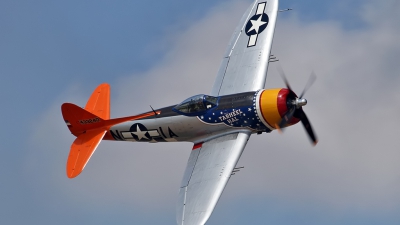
(81, 150)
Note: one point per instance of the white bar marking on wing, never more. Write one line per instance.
(252, 40)
(260, 8)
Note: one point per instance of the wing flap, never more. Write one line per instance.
(211, 167)
(81, 150)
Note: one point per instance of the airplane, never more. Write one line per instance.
(219, 124)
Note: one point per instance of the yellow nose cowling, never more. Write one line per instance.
(273, 106)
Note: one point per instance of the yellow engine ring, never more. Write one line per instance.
(271, 107)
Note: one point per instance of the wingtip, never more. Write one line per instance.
(72, 173)
(71, 176)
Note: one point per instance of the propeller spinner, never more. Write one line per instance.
(295, 107)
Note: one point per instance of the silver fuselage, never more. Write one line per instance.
(235, 113)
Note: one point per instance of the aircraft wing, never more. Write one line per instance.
(207, 172)
(245, 63)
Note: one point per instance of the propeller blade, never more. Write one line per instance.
(307, 125)
(310, 81)
(286, 118)
(280, 70)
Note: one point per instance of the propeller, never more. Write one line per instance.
(296, 107)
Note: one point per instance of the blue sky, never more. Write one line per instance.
(58, 51)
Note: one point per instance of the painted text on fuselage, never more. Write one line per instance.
(231, 117)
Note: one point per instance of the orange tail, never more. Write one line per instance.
(90, 125)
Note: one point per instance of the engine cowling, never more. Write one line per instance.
(272, 105)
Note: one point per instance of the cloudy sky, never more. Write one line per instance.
(159, 53)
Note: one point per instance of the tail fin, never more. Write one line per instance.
(90, 125)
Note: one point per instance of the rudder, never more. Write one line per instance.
(79, 120)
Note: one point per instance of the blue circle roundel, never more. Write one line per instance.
(140, 133)
(257, 24)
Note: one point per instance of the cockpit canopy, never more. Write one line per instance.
(196, 105)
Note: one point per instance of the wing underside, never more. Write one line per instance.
(207, 172)
(245, 63)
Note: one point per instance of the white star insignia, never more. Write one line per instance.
(140, 134)
(256, 24)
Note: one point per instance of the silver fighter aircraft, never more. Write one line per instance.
(219, 124)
